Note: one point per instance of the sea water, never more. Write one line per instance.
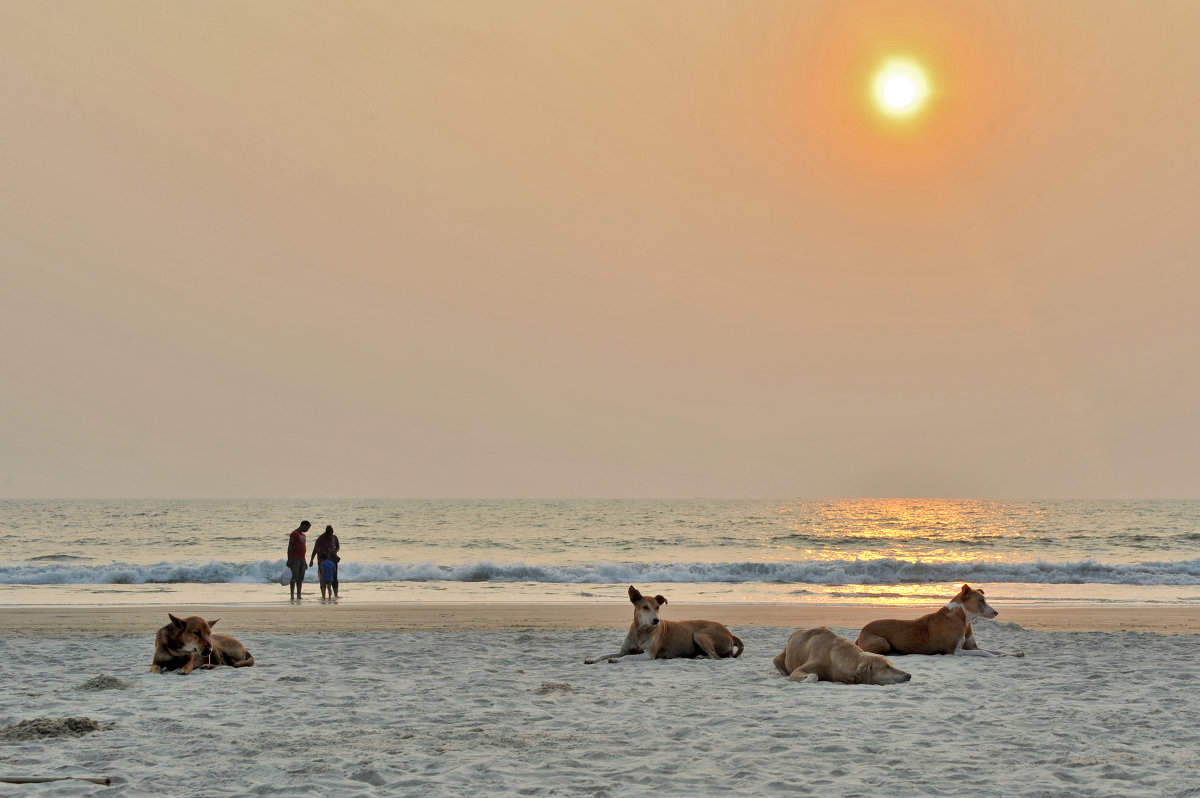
(835, 551)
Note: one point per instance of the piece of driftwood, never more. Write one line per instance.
(105, 780)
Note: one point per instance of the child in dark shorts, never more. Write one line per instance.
(326, 573)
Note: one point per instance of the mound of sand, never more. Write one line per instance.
(552, 687)
(40, 728)
(105, 682)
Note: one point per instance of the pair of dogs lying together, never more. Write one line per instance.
(817, 654)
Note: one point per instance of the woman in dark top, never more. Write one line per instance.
(326, 548)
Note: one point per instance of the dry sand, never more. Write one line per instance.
(472, 710)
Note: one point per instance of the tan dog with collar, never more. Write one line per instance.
(820, 655)
(671, 639)
(188, 643)
(947, 631)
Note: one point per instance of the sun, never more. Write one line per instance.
(900, 88)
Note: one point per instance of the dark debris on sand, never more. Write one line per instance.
(105, 683)
(40, 728)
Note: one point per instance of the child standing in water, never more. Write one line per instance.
(326, 573)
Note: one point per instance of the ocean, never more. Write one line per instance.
(897, 551)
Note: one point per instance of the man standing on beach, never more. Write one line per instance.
(297, 548)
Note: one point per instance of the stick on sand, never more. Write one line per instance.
(105, 780)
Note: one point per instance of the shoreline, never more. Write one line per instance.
(349, 617)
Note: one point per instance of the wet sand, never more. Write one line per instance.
(314, 617)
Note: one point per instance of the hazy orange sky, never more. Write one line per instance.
(544, 249)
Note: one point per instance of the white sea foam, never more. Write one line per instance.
(839, 572)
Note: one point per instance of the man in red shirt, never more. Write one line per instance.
(297, 548)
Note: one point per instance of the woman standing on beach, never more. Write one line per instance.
(326, 548)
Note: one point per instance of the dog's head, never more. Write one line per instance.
(878, 669)
(645, 608)
(192, 634)
(974, 603)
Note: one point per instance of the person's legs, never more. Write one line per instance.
(297, 584)
(333, 583)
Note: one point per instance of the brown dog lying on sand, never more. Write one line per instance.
(820, 655)
(947, 631)
(188, 643)
(671, 639)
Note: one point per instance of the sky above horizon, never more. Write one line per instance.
(598, 249)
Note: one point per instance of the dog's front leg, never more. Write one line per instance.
(628, 646)
(963, 651)
(969, 645)
(188, 666)
(1004, 653)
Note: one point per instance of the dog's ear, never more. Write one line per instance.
(863, 673)
(661, 600)
(211, 624)
(179, 622)
(634, 594)
(966, 588)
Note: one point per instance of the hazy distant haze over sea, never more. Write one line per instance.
(543, 249)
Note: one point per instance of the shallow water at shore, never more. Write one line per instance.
(1000, 594)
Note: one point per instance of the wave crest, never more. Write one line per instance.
(823, 572)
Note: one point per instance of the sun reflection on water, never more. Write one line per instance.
(907, 530)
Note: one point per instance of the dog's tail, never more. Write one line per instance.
(244, 663)
(737, 641)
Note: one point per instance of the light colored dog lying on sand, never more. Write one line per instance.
(188, 643)
(820, 655)
(671, 639)
(947, 631)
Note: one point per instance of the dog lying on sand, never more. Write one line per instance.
(947, 631)
(671, 639)
(820, 655)
(187, 643)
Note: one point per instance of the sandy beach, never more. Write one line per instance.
(478, 314)
(474, 699)
(314, 617)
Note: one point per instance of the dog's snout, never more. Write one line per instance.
(654, 622)
(907, 677)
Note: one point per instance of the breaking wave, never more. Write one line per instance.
(822, 572)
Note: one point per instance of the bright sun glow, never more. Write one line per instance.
(901, 88)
